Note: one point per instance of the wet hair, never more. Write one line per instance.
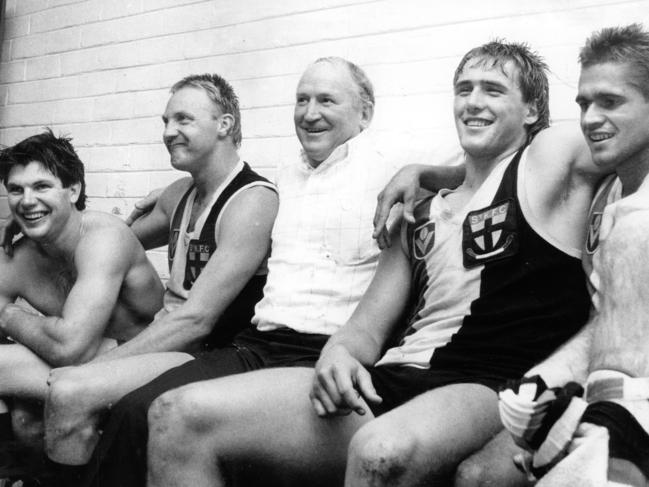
(363, 83)
(532, 74)
(221, 93)
(56, 154)
(627, 44)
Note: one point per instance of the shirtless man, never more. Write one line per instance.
(479, 301)
(83, 271)
(217, 223)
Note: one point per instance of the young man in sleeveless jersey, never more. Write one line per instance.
(84, 274)
(609, 357)
(497, 242)
(217, 224)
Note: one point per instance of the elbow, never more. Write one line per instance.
(65, 354)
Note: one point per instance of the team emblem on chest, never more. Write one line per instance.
(423, 239)
(489, 234)
(594, 225)
(197, 256)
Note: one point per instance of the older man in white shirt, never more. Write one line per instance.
(322, 260)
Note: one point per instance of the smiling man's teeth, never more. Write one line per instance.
(34, 216)
(477, 123)
(600, 137)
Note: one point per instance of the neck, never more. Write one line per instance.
(632, 173)
(63, 245)
(478, 168)
(210, 176)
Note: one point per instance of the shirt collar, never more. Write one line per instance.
(339, 154)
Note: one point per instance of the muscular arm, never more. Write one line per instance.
(379, 310)
(102, 259)
(406, 185)
(241, 250)
(340, 374)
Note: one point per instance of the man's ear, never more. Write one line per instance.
(367, 112)
(532, 113)
(75, 192)
(226, 123)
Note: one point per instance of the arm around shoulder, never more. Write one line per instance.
(152, 229)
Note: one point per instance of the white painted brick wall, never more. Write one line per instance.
(100, 70)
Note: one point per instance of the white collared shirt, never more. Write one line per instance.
(323, 256)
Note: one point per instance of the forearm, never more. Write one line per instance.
(359, 344)
(49, 337)
(568, 363)
(172, 332)
(434, 178)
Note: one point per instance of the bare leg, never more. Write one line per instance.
(424, 440)
(262, 418)
(79, 395)
(493, 465)
(31, 381)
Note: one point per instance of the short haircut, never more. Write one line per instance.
(221, 93)
(363, 83)
(628, 44)
(532, 74)
(56, 154)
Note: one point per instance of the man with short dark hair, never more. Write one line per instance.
(609, 357)
(84, 274)
(466, 300)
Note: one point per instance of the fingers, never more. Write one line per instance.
(144, 206)
(383, 238)
(350, 397)
(384, 203)
(7, 234)
(409, 199)
(366, 388)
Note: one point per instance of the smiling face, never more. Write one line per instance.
(490, 114)
(38, 201)
(614, 115)
(192, 125)
(328, 110)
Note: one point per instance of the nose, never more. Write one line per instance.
(591, 116)
(312, 111)
(475, 100)
(28, 198)
(170, 131)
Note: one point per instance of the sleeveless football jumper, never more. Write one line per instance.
(490, 295)
(189, 252)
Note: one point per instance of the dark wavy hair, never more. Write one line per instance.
(56, 154)
(627, 44)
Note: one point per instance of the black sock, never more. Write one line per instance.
(6, 432)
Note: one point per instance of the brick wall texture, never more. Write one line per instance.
(100, 70)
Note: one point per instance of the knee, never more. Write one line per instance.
(381, 455)
(181, 416)
(472, 473)
(488, 471)
(66, 388)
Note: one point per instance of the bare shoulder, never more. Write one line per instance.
(259, 200)
(105, 234)
(558, 147)
(172, 194)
